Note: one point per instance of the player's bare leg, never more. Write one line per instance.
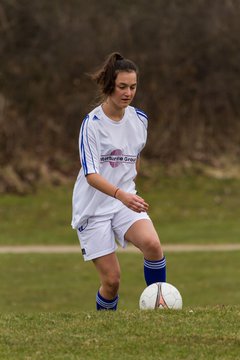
(143, 235)
(109, 272)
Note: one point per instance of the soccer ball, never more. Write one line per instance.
(160, 295)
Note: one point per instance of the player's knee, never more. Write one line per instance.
(113, 282)
(153, 247)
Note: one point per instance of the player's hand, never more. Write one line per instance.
(132, 201)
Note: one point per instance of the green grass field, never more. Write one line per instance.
(187, 209)
(47, 301)
(63, 282)
(209, 333)
(47, 309)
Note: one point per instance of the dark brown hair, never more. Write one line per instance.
(106, 75)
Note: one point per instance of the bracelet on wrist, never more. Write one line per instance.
(116, 193)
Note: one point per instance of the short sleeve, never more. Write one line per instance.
(142, 117)
(144, 126)
(88, 148)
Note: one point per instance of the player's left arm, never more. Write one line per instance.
(138, 165)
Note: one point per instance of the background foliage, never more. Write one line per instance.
(189, 60)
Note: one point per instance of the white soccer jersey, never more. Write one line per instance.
(109, 148)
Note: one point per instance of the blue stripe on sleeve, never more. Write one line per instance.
(140, 112)
(83, 155)
(84, 135)
(141, 115)
(90, 150)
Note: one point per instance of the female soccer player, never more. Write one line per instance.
(106, 207)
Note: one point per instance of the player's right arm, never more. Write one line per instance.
(132, 201)
(89, 156)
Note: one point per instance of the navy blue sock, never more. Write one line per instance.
(104, 304)
(155, 271)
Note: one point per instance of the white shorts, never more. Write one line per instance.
(98, 236)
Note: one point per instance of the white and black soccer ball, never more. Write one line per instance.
(160, 295)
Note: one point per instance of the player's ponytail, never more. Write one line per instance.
(105, 77)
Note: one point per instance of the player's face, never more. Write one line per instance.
(125, 89)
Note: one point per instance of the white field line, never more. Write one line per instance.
(67, 249)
